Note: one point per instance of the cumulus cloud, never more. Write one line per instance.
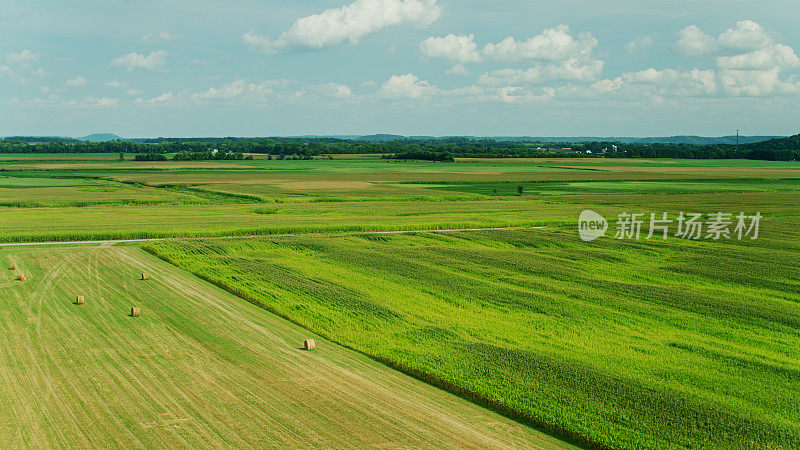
(553, 44)
(88, 102)
(554, 54)
(113, 84)
(24, 58)
(744, 61)
(693, 41)
(166, 97)
(325, 91)
(77, 81)
(639, 44)
(748, 60)
(348, 24)
(776, 56)
(407, 86)
(458, 48)
(241, 89)
(152, 38)
(745, 36)
(570, 70)
(458, 69)
(154, 61)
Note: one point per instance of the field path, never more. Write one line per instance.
(128, 241)
(200, 367)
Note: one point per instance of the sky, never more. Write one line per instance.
(146, 68)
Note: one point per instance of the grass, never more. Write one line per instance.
(621, 344)
(199, 367)
(615, 343)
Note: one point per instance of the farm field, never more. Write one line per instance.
(624, 344)
(199, 367)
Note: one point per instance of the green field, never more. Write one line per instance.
(199, 367)
(615, 343)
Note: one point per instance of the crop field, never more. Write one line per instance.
(631, 344)
(613, 343)
(199, 367)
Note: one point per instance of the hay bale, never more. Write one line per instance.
(21, 277)
(309, 344)
(145, 276)
(13, 266)
(79, 300)
(135, 312)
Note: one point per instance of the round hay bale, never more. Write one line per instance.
(309, 344)
(145, 276)
(13, 266)
(79, 300)
(135, 312)
(21, 277)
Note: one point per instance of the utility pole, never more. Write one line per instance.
(737, 137)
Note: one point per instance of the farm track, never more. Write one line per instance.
(122, 241)
(200, 367)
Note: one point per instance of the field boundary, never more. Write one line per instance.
(234, 236)
(557, 432)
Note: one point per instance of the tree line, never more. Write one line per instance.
(783, 149)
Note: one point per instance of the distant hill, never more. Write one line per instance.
(100, 137)
(791, 143)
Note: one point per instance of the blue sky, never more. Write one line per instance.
(417, 67)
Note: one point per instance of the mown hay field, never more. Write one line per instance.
(199, 367)
(621, 343)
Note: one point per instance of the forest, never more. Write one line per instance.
(444, 149)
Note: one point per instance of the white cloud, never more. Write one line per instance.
(77, 81)
(406, 86)
(88, 102)
(555, 52)
(101, 102)
(113, 84)
(163, 98)
(639, 44)
(777, 56)
(693, 41)
(458, 69)
(133, 92)
(746, 36)
(348, 23)
(749, 62)
(325, 90)
(154, 61)
(151, 38)
(22, 59)
(570, 70)
(553, 44)
(458, 48)
(197, 62)
(240, 89)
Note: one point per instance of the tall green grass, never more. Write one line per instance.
(615, 343)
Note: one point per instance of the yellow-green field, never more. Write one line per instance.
(199, 368)
(623, 344)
